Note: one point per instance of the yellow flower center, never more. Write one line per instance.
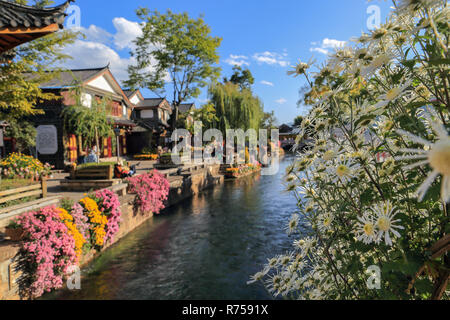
(439, 157)
(342, 171)
(392, 94)
(327, 222)
(384, 224)
(369, 229)
(328, 155)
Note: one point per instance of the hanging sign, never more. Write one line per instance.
(47, 140)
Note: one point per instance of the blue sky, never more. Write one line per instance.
(266, 36)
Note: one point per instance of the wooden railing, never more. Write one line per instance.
(24, 192)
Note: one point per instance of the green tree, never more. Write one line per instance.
(269, 120)
(243, 78)
(177, 46)
(89, 123)
(298, 121)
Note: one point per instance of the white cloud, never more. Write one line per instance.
(237, 60)
(267, 83)
(281, 101)
(100, 48)
(320, 50)
(327, 44)
(96, 34)
(127, 31)
(89, 54)
(272, 58)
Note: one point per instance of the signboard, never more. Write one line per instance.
(2, 144)
(47, 140)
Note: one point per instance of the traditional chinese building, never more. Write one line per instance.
(20, 24)
(98, 83)
(153, 114)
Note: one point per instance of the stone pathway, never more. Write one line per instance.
(54, 188)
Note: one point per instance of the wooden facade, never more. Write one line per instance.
(96, 84)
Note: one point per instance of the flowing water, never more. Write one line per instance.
(206, 247)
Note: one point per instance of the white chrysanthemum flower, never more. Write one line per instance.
(413, 5)
(385, 222)
(437, 155)
(258, 277)
(325, 222)
(293, 224)
(300, 68)
(366, 229)
(379, 61)
(273, 263)
(305, 245)
(392, 94)
(345, 171)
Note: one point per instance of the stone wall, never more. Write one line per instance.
(181, 188)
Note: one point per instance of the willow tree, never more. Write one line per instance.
(177, 47)
(91, 123)
(236, 108)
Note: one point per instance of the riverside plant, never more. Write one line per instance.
(373, 187)
(56, 238)
(109, 205)
(151, 189)
(46, 253)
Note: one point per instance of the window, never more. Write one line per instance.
(124, 110)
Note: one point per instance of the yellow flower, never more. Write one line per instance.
(73, 231)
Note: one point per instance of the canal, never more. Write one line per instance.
(203, 248)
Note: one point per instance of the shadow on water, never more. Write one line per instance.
(203, 248)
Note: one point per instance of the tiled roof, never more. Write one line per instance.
(149, 103)
(69, 78)
(14, 15)
(129, 93)
(185, 107)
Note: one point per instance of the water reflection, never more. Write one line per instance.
(204, 248)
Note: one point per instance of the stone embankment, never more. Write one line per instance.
(184, 184)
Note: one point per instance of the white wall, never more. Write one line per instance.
(135, 99)
(146, 114)
(103, 84)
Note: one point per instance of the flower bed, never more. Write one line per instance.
(148, 157)
(55, 239)
(242, 170)
(151, 190)
(19, 166)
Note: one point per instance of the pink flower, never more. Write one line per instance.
(151, 190)
(110, 206)
(47, 251)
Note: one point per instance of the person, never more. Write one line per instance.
(92, 157)
(122, 172)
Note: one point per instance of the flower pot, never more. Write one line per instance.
(15, 234)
